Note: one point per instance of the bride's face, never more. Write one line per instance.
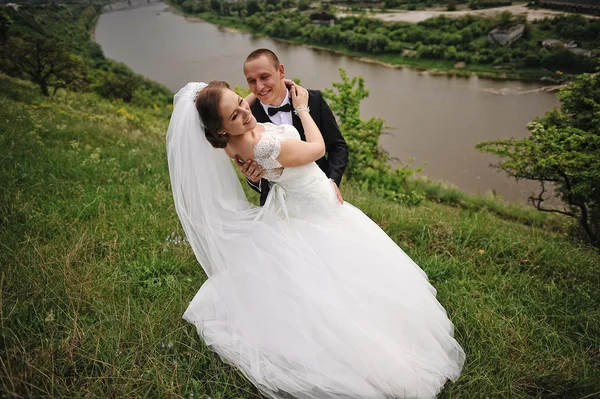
(236, 116)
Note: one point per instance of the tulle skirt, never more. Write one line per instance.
(340, 312)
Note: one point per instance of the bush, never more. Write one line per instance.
(113, 85)
(479, 4)
(303, 5)
(253, 7)
(368, 164)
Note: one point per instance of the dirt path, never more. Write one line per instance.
(418, 16)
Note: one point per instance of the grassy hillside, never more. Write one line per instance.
(95, 274)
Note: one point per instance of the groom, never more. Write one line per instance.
(265, 77)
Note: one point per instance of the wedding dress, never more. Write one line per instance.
(308, 297)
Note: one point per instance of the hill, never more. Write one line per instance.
(96, 273)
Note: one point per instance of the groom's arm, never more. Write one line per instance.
(256, 186)
(335, 145)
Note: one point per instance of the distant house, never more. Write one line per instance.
(505, 36)
(584, 6)
(571, 46)
(322, 18)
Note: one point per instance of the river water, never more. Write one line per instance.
(434, 119)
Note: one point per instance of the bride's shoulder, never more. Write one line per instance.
(290, 131)
(266, 125)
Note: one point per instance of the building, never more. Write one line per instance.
(583, 6)
(506, 36)
(322, 18)
(571, 46)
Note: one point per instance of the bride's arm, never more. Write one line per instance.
(251, 98)
(297, 152)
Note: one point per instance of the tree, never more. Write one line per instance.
(377, 43)
(47, 62)
(303, 5)
(5, 23)
(580, 103)
(216, 6)
(563, 150)
(253, 7)
(368, 163)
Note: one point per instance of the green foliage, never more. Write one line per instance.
(195, 6)
(437, 39)
(46, 62)
(368, 165)
(303, 5)
(122, 87)
(580, 104)
(46, 37)
(481, 4)
(242, 91)
(507, 19)
(5, 23)
(253, 7)
(564, 151)
(216, 6)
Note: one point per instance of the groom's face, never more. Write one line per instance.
(265, 80)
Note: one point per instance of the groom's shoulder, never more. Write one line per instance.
(256, 105)
(257, 108)
(314, 92)
(314, 95)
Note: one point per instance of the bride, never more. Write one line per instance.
(308, 297)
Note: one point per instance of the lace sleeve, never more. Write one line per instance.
(267, 150)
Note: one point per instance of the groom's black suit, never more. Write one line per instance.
(336, 152)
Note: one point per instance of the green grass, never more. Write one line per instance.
(93, 285)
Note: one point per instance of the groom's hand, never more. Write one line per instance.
(250, 169)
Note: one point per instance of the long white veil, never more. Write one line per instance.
(208, 196)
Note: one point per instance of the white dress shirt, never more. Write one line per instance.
(280, 118)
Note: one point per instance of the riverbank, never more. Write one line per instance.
(423, 15)
(430, 67)
(398, 60)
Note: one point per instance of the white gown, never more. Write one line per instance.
(345, 315)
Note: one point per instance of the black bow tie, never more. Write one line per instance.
(284, 108)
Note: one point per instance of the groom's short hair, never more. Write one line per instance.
(267, 53)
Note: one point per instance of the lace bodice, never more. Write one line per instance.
(268, 148)
(301, 190)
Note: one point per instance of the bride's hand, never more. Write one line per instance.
(289, 83)
(299, 96)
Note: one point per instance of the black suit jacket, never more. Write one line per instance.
(336, 151)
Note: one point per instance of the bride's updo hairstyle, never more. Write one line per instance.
(207, 104)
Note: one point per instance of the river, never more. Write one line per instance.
(434, 119)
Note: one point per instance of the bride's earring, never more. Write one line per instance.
(223, 133)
